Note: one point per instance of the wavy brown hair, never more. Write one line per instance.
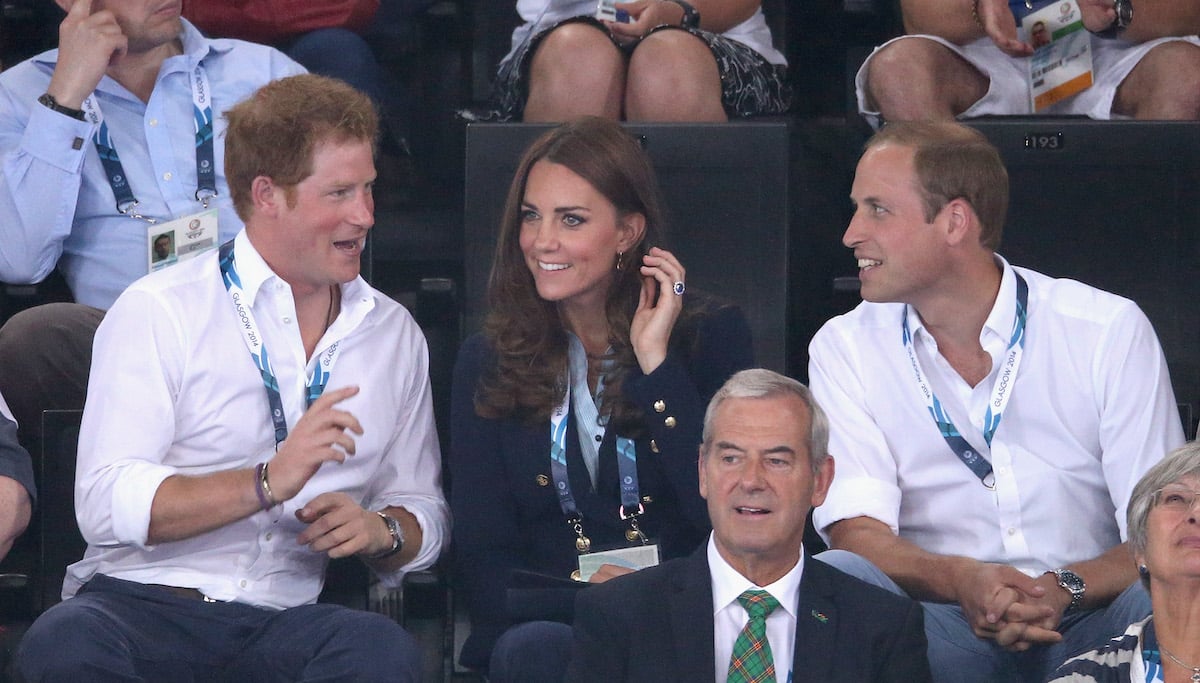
(525, 331)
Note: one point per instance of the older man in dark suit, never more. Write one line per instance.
(750, 605)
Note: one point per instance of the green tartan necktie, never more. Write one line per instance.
(751, 661)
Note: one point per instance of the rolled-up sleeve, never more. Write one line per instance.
(865, 472)
(128, 420)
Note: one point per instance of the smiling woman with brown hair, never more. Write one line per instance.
(576, 413)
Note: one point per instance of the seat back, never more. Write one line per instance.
(58, 532)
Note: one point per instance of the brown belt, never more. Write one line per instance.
(185, 593)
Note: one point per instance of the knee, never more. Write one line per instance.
(63, 642)
(532, 652)
(330, 45)
(895, 65)
(671, 75)
(1173, 77)
(380, 648)
(573, 50)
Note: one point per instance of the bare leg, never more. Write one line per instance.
(576, 71)
(1164, 85)
(673, 77)
(915, 79)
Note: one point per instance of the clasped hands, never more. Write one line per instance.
(1016, 610)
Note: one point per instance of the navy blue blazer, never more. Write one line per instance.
(657, 625)
(506, 513)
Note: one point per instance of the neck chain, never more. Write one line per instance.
(1195, 669)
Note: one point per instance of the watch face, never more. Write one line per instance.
(1124, 10)
(1071, 581)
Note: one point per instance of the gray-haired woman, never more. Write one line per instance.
(1164, 534)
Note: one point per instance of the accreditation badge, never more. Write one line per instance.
(1061, 65)
(181, 239)
(634, 557)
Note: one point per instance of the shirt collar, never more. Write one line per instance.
(728, 584)
(1000, 319)
(358, 298)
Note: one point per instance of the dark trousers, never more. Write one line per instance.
(116, 630)
(46, 353)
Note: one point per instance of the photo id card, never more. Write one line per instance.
(607, 11)
(181, 239)
(635, 557)
(1061, 65)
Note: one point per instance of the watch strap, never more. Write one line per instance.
(1071, 583)
(691, 16)
(394, 529)
(49, 102)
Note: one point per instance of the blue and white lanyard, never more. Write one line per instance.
(206, 173)
(631, 503)
(1001, 391)
(258, 348)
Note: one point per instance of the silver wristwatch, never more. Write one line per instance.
(1071, 583)
(397, 534)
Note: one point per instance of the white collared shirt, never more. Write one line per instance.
(729, 617)
(173, 390)
(1091, 410)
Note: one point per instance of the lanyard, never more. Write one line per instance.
(206, 173)
(258, 348)
(1001, 391)
(631, 504)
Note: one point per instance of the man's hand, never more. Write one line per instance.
(1034, 619)
(1003, 604)
(339, 527)
(1097, 14)
(319, 436)
(87, 44)
(1001, 26)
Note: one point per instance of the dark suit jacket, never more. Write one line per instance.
(657, 625)
(506, 514)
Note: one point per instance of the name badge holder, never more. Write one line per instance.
(193, 229)
(631, 506)
(1001, 391)
(257, 347)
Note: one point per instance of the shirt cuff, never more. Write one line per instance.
(133, 491)
(57, 139)
(858, 497)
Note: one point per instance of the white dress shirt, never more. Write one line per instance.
(173, 390)
(1091, 410)
(729, 617)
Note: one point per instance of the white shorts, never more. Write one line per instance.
(1008, 89)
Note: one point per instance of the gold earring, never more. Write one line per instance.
(619, 255)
